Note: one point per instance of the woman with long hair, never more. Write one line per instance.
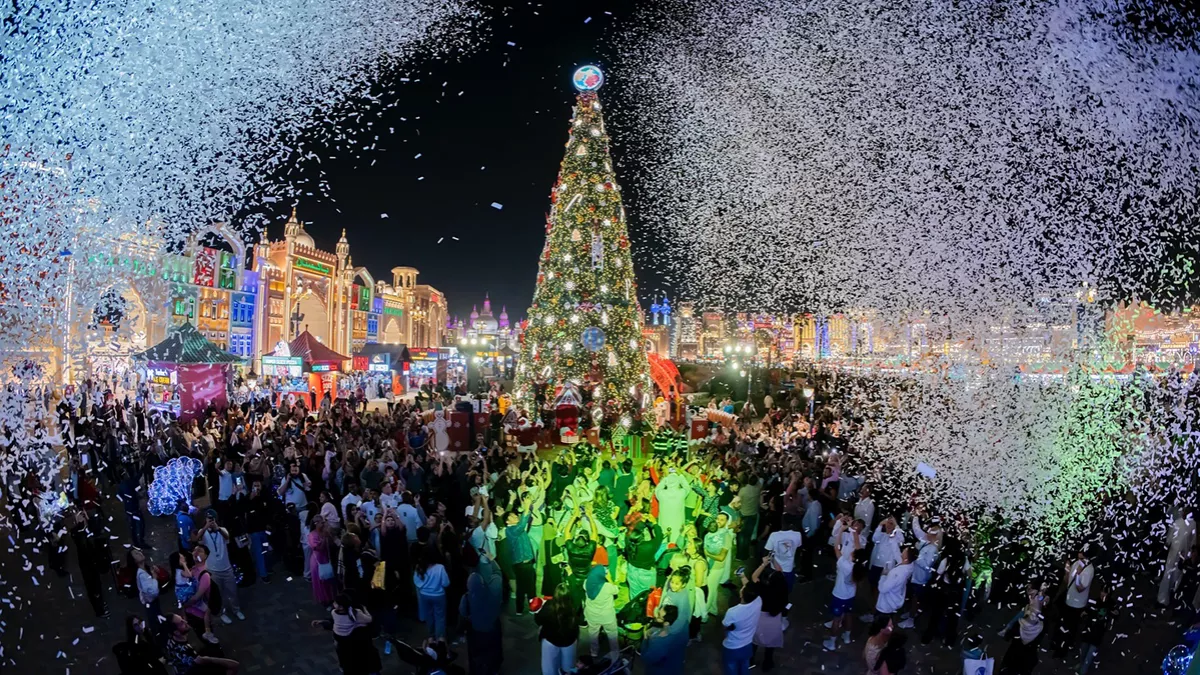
(768, 633)
(877, 639)
(559, 631)
(147, 586)
(324, 576)
(350, 624)
(693, 550)
(431, 580)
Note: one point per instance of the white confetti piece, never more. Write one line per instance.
(498, 206)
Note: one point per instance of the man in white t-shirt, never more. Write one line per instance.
(1079, 574)
(783, 545)
(741, 621)
(893, 584)
(353, 496)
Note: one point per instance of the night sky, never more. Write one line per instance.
(512, 119)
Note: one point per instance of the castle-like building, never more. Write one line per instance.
(343, 306)
(245, 300)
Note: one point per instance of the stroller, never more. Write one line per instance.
(424, 664)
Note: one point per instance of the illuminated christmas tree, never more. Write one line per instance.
(585, 323)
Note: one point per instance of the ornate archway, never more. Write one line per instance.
(393, 334)
(310, 314)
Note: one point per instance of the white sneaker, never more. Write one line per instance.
(828, 624)
(906, 623)
(239, 615)
(830, 644)
(211, 638)
(846, 637)
(226, 620)
(867, 617)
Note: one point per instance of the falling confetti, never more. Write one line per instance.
(944, 169)
(119, 122)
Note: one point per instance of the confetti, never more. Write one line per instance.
(496, 205)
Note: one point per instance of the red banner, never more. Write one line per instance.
(199, 385)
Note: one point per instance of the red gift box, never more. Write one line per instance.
(593, 436)
(546, 439)
(459, 431)
(699, 429)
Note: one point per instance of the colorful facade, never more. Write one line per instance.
(306, 288)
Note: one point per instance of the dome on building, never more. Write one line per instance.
(294, 229)
(503, 316)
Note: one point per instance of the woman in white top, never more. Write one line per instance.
(599, 610)
(329, 511)
(431, 581)
(851, 569)
(147, 585)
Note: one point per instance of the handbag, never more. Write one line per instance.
(325, 571)
(379, 578)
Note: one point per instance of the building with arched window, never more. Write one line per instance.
(306, 288)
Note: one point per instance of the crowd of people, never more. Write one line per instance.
(635, 549)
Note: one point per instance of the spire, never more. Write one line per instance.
(293, 226)
(503, 316)
(343, 246)
(487, 304)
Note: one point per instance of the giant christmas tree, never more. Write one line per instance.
(585, 323)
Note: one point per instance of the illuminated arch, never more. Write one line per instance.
(367, 279)
(223, 231)
(665, 374)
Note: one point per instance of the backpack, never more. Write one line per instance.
(214, 595)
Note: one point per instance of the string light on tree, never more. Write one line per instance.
(590, 228)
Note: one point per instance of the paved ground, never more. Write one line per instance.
(49, 628)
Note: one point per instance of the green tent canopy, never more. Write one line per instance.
(185, 344)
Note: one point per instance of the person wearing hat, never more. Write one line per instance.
(220, 565)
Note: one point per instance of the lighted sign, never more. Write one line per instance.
(588, 78)
(423, 354)
(321, 368)
(394, 311)
(282, 366)
(313, 266)
(160, 376)
(380, 363)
